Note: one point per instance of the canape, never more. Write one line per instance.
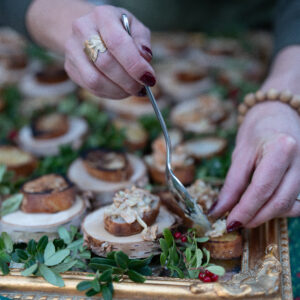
(201, 115)
(48, 202)
(48, 133)
(136, 137)
(105, 172)
(17, 160)
(184, 80)
(222, 245)
(223, 47)
(182, 163)
(49, 81)
(131, 224)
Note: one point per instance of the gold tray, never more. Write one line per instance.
(265, 274)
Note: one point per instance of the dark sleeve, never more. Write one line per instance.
(287, 24)
(13, 14)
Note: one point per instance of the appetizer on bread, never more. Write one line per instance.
(17, 160)
(47, 194)
(131, 224)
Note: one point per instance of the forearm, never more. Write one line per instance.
(285, 71)
(50, 22)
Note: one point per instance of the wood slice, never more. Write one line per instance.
(205, 147)
(25, 226)
(105, 190)
(77, 129)
(101, 241)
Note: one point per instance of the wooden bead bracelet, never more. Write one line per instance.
(271, 95)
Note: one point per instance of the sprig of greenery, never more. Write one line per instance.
(111, 269)
(6, 249)
(186, 259)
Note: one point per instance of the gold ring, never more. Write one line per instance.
(93, 46)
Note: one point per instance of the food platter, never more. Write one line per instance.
(264, 274)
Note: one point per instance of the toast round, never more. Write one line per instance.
(107, 165)
(47, 194)
(227, 246)
(17, 160)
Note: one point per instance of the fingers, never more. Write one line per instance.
(294, 211)
(106, 63)
(122, 46)
(86, 75)
(281, 202)
(236, 181)
(279, 153)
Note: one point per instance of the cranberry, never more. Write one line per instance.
(208, 273)
(207, 279)
(177, 235)
(184, 239)
(214, 278)
(201, 276)
(13, 135)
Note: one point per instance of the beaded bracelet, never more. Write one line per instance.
(272, 95)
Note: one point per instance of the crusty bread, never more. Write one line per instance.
(47, 194)
(107, 165)
(49, 126)
(126, 229)
(17, 160)
(227, 246)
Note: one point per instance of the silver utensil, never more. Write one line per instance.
(184, 199)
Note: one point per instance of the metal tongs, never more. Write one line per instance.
(186, 202)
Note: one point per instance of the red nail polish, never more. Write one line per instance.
(148, 50)
(142, 92)
(148, 79)
(210, 211)
(233, 226)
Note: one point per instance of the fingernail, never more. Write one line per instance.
(147, 53)
(148, 79)
(210, 211)
(142, 92)
(233, 226)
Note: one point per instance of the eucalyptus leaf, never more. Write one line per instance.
(21, 254)
(57, 257)
(91, 293)
(49, 251)
(121, 259)
(96, 285)
(218, 270)
(42, 243)
(75, 244)
(2, 171)
(31, 247)
(64, 235)
(8, 243)
(135, 276)
(84, 285)
(4, 267)
(106, 275)
(106, 293)
(103, 261)
(85, 254)
(30, 270)
(64, 267)
(11, 204)
(139, 263)
(51, 276)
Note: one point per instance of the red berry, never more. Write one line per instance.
(207, 279)
(177, 235)
(201, 276)
(214, 278)
(208, 273)
(183, 239)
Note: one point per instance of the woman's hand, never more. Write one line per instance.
(263, 181)
(120, 71)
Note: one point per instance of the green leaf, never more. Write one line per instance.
(42, 243)
(73, 231)
(106, 275)
(2, 244)
(9, 246)
(75, 244)
(163, 259)
(218, 270)
(139, 263)
(57, 257)
(121, 259)
(164, 246)
(111, 255)
(135, 276)
(21, 254)
(96, 285)
(168, 237)
(4, 267)
(64, 267)
(106, 293)
(30, 270)
(51, 276)
(2, 171)
(188, 254)
(85, 255)
(202, 239)
(49, 251)
(64, 235)
(178, 271)
(173, 254)
(5, 257)
(91, 293)
(146, 271)
(199, 256)
(207, 254)
(11, 204)
(103, 261)
(84, 285)
(31, 247)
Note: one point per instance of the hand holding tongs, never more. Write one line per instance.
(186, 202)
